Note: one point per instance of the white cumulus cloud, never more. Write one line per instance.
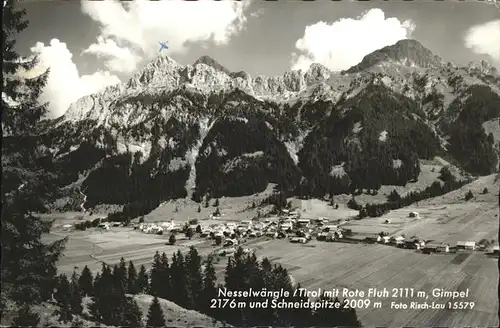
(65, 85)
(130, 31)
(344, 43)
(484, 39)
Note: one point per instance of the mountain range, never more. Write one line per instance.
(174, 131)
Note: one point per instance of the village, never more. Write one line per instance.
(288, 226)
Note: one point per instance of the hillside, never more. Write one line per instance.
(199, 130)
(175, 315)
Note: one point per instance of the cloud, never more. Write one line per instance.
(64, 84)
(116, 58)
(484, 39)
(344, 43)
(130, 31)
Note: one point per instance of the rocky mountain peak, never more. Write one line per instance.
(209, 61)
(482, 67)
(406, 52)
(162, 67)
(317, 72)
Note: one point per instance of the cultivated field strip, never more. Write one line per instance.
(336, 265)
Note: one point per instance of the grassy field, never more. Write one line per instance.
(93, 247)
(360, 266)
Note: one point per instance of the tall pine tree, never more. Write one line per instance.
(194, 277)
(28, 266)
(156, 318)
(85, 282)
(131, 316)
(164, 273)
(180, 294)
(209, 287)
(75, 295)
(63, 298)
(142, 282)
(156, 270)
(20, 107)
(132, 279)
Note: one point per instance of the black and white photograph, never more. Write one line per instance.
(250, 163)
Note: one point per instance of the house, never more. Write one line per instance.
(325, 231)
(411, 243)
(436, 248)
(104, 226)
(428, 249)
(303, 223)
(383, 239)
(413, 215)
(67, 227)
(467, 245)
(495, 250)
(398, 241)
(286, 226)
(444, 248)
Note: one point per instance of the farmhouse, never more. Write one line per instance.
(383, 239)
(436, 248)
(411, 243)
(467, 245)
(443, 248)
(399, 241)
(67, 227)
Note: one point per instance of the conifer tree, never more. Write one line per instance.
(131, 279)
(155, 284)
(107, 298)
(85, 282)
(120, 275)
(75, 295)
(63, 298)
(26, 281)
(64, 311)
(165, 287)
(209, 287)
(189, 233)
(194, 277)
(20, 107)
(131, 315)
(142, 280)
(25, 317)
(62, 292)
(96, 284)
(31, 280)
(172, 239)
(180, 294)
(155, 317)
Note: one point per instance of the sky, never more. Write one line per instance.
(89, 45)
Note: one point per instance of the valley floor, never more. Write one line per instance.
(360, 266)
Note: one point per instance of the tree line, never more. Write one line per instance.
(396, 201)
(190, 282)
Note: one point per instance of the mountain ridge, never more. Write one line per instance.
(202, 131)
